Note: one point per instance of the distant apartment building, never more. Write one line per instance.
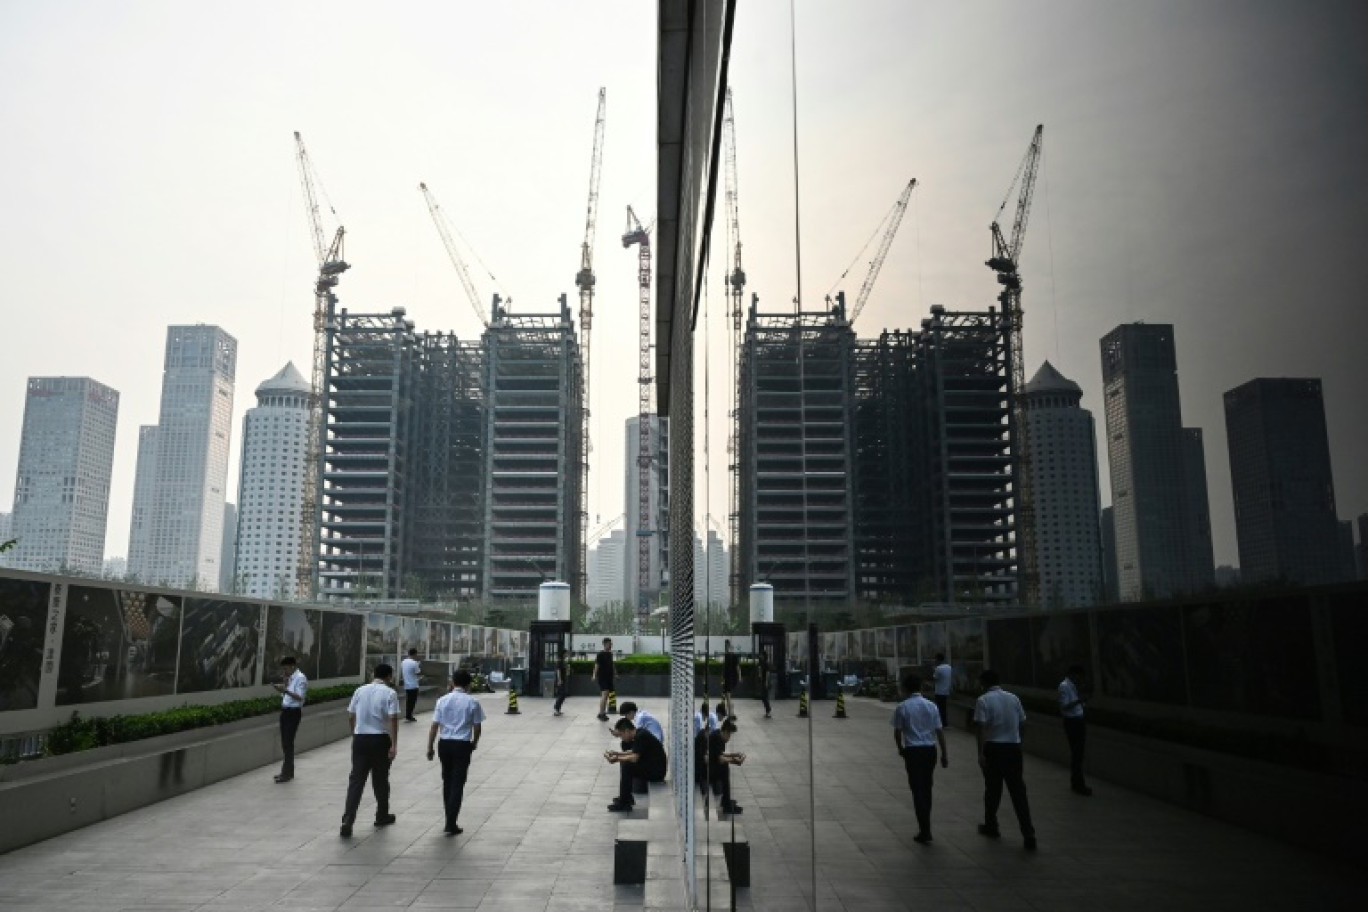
(1285, 518)
(607, 566)
(115, 568)
(275, 448)
(66, 460)
(1158, 477)
(1063, 465)
(658, 509)
(176, 536)
(710, 572)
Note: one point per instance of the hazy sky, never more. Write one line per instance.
(1204, 166)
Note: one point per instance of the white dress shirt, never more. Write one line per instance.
(999, 716)
(918, 719)
(1068, 693)
(650, 723)
(373, 705)
(941, 678)
(297, 684)
(457, 714)
(409, 668)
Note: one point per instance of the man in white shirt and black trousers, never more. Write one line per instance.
(409, 670)
(457, 718)
(1075, 729)
(917, 730)
(292, 692)
(998, 724)
(374, 718)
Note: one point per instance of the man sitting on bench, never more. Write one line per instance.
(642, 757)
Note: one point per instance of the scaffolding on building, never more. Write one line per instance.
(795, 450)
(533, 425)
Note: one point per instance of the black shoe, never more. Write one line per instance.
(345, 831)
(283, 778)
(385, 820)
(923, 838)
(409, 719)
(453, 830)
(603, 717)
(732, 808)
(1030, 844)
(620, 805)
(991, 832)
(1082, 790)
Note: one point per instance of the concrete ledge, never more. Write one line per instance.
(55, 795)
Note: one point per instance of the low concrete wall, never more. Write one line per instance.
(1324, 813)
(55, 795)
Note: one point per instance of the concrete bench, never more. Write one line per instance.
(629, 852)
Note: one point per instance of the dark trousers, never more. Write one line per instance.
(560, 696)
(410, 702)
(942, 702)
(628, 772)
(455, 757)
(763, 684)
(1076, 730)
(721, 782)
(370, 758)
(921, 769)
(1002, 766)
(289, 727)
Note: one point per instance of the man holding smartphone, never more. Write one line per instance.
(293, 689)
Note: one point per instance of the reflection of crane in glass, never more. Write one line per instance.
(636, 234)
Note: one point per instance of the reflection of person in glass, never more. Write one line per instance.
(293, 689)
(720, 762)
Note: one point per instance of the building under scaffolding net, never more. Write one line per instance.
(935, 515)
(533, 472)
(795, 447)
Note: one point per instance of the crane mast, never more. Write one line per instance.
(330, 266)
(1006, 261)
(736, 292)
(636, 234)
(584, 281)
(894, 219)
(444, 229)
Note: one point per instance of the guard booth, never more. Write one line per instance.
(550, 638)
(770, 638)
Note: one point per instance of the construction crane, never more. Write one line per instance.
(736, 293)
(604, 529)
(1006, 261)
(893, 219)
(445, 230)
(331, 265)
(635, 234)
(584, 281)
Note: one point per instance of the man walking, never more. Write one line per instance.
(1075, 729)
(604, 672)
(917, 730)
(999, 722)
(409, 670)
(374, 718)
(763, 678)
(641, 757)
(731, 676)
(457, 718)
(940, 680)
(562, 683)
(293, 689)
(720, 762)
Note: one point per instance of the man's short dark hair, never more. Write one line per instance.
(288, 660)
(1075, 670)
(989, 678)
(940, 657)
(413, 652)
(607, 640)
(623, 725)
(729, 726)
(461, 678)
(628, 707)
(911, 682)
(384, 671)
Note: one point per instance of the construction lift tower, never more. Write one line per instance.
(584, 281)
(736, 293)
(1006, 261)
(330, 266)
(638, 235)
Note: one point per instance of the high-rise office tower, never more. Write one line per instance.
(658, 509)
(1348, 563)
(275, 445)
(1109, 582)
(1285, 516)
(181, 508)
(6, 526)
(1063, 464)
(710, 572)
(66, 458)
(228, 550)
(607, 563)
(1155, 480)
(1361, 549)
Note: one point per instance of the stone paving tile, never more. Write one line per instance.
(538, 838)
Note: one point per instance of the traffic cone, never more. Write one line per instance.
(802, 704)
(612, 701)
(840, 705)
(512, 703)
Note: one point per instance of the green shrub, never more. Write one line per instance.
(80, 734)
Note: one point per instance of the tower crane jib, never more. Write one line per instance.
(444, 230)
(584, 281)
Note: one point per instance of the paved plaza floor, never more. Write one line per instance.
(538, 837)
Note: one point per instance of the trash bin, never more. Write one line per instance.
(517, 679)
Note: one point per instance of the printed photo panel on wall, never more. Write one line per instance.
(439, 642)
(292, 631)
(382, 634)
(218, 648)
(340, 655)
(117, 644)
(23, 623)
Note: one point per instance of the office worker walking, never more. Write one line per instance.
(293, 689)
(409, 670)
(374, 717)
(456, 719)
(999, 722)
(917, 731)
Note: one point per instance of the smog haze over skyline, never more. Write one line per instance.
(1203, 166)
